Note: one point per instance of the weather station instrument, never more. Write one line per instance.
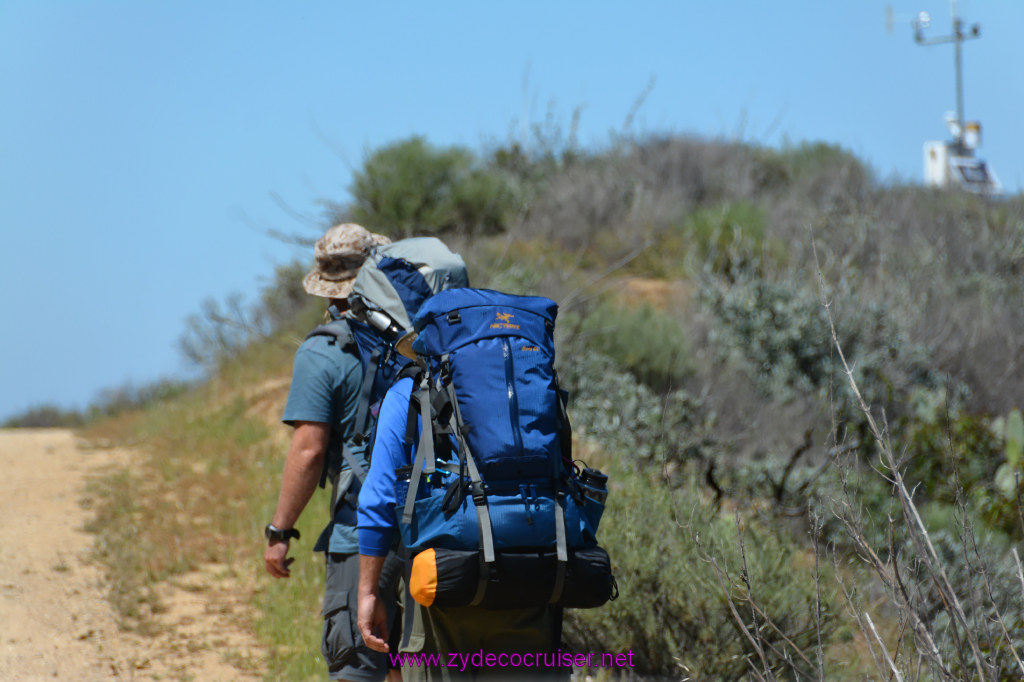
(953, 163)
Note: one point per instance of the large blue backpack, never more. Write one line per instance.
(498, 516)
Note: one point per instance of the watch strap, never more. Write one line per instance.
(271, 532)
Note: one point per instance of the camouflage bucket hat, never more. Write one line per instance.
(339, 253)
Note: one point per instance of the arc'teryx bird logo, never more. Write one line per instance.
(504, 321)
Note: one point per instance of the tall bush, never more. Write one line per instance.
(695, 587)
(413, 188)
(649, 344)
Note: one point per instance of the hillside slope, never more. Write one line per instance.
(702, 288)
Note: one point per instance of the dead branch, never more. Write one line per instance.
(919, 533)
(1020, 571)
(858, 613)
(881, 644)
(739, 620)
(780, 487)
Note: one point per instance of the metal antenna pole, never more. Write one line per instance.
(957, 39)
(958, 36)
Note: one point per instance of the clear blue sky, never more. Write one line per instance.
(142, 144)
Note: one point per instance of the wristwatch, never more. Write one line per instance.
(273, 533)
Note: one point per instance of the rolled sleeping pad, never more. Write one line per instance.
(519, 579)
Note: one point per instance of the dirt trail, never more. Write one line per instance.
(54, 620)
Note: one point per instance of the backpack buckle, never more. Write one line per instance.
(446, 372)
(479, 497)
(454, 317)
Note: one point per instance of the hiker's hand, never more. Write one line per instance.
(276, 559)
(373, 622)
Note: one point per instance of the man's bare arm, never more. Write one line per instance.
(302, 468)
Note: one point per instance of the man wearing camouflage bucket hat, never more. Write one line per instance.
(322, 408)
(339, 254)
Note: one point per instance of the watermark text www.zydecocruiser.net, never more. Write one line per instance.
(481, 659)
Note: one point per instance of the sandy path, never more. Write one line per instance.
(54, 620)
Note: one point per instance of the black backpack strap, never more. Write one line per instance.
(565, 428)
(416, 374)
(362, 412)
(338, 329)
(413, 371)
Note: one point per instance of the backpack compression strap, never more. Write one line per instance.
(425, 447)
(362, 434)
(476, 486)
(561, 550)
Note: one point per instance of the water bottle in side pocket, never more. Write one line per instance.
(402, 476)
(594, 486)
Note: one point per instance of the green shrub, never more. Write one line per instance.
(725, 240)
(779, 332)
(412, 188)
(673, 612)
(129, 397)
(828, 177)
(961, 454)
(518, 278)
(818, 159)
(40, 416)
(937, 450)
(647, 343)
(728, 239)
(108, 402)
(983, 575)
(627, 419)
(1010, 475)
(871, 505)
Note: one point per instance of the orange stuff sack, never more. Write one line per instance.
(423, 580)
(444, 578)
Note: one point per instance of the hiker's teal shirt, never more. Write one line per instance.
(325, 388)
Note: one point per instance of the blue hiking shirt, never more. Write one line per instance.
(378, 521)
(325, 388)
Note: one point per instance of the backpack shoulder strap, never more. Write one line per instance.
(564, 426)
(341, 334)
(413, 371)
(336, 329)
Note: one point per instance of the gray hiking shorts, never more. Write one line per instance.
(342, 645)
